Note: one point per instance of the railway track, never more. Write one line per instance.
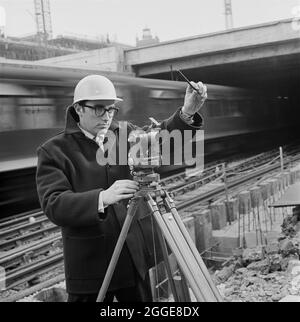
(32, 271)
(18, 241)
(24, 263)
(21, 219)
(26, 254)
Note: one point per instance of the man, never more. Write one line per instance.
(88, 201)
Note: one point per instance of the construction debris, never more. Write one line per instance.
(268, 273)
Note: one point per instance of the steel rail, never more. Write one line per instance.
(19, 230)
(25, 254)
(33, 270)
(22, 219)
(19, 241)
(206, 196)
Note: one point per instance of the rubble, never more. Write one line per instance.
(291, 224)
(268, 273)
(56, 293)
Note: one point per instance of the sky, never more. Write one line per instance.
(124, 20)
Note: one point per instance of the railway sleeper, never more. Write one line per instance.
(33, 270)
(34, 236)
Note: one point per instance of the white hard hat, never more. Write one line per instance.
(95, 87)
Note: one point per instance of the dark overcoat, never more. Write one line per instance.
(69, 181)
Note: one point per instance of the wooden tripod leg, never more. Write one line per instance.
(187, 255)
(117, 251)
(169, 238)
(193, 248)
(167, 263)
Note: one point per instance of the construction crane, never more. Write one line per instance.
(2, 22)
(228, 14)
(43, 19)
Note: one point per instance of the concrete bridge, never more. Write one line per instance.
(265, 55)
(259, 56)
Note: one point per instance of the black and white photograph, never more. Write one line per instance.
(149, 154)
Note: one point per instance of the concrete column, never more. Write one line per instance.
(279, 178)
(264, 191)
(218, 215)
(233, 208)
(189, 224)
(256, 197)
(244, 210)
(203, 230)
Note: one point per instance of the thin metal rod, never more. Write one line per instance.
(239, 229)
(259, 225)
(244, 230)
(226, 194)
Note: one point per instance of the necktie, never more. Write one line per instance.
(99, 139)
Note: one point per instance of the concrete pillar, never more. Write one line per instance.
(265, 193)
(244, 210)
(275, 187)
(280, 183)
(256, 197)
(292, 177)
(244, 202)
(190, 226)
(233, 208)
(203, 230)
(287, 178)
(218, 215)
(283, 182)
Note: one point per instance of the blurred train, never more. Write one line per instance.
(33, 100)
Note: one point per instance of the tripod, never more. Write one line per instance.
(170, 229)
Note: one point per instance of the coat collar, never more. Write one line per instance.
(72, 119)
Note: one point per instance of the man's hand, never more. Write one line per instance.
(193, 100)
(119, 190)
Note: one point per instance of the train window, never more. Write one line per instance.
(165, 94)
(214, 108)
(234, 108)
(8, 114)
(225, 108)
(160, 108)
(61, 104)
(36, 113)
(247, 107)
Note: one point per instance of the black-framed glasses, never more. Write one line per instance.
(100, 110)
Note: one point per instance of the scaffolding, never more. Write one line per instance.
(228, 14)
(43, 19)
